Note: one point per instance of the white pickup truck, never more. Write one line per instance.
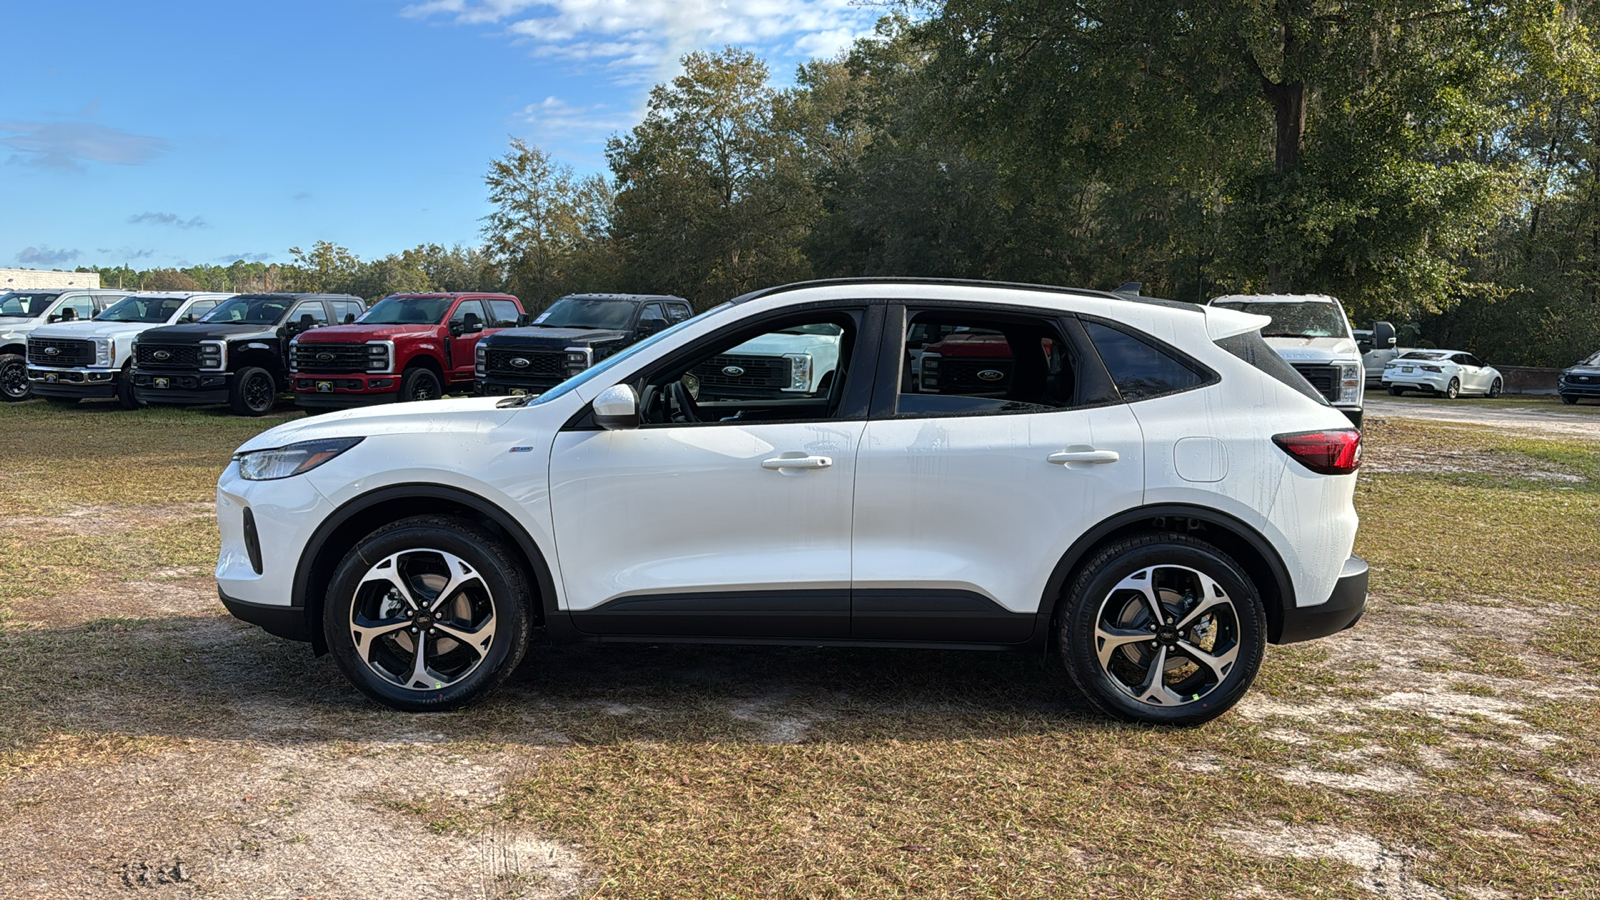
(68, 362)
(1312, 334)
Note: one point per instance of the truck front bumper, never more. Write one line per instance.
(73, 383)
(181, 388)
(344, 391)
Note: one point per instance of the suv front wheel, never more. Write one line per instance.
(427, 614)
(1163, 629)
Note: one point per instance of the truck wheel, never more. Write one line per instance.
(1163, 629)
(1453, 389)
(14, 384)
(125, 388)
(255, 392)
(427, 614)
(419, 384)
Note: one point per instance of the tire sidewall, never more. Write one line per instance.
(241, 385)
(1453, 389)
(483, 553)
(408, 384)
(13, 360)
(1095, 581)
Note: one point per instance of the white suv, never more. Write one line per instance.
(1155, 494)
(68, 362)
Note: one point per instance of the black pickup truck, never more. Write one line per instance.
(576, 332)
(237, 354)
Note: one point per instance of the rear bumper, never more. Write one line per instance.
(1342, 609)
(283, 621)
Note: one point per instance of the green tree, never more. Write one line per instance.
(327, 267)
(545, 219)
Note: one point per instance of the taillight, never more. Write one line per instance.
(1335, 452)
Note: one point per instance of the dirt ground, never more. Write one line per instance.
(175, 752)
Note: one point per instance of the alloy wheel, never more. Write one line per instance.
(1167, 635)
(258, 392)
(14, 379)
(422, 619)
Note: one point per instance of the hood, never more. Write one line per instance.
(466, 416)
(359, 333)
(1322, 349)
(92, 329)
(777, 344)
(969, 344)
(1581, 369)
(535, 336)
(7, 323)
(194, 332)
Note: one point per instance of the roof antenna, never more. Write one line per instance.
(1130, 287)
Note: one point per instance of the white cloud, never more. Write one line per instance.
(554, 123)
(66, 145)
(650, 35)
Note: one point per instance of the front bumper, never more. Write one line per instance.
(344, 391)
(495, 386)
(284, 513)
(181, 388)
(1342, 609)
(284, 621)
(84, 382)
(1568, 388)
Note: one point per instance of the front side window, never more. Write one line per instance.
(249, 311)
(199, 309)
(587, 312)
(76, 309)
(1141, 369)
(407, 311)
(474, 307)
(25, 304)
(790, 370)
(312, 308)
(975, 363)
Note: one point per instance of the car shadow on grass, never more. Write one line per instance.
(211, 678)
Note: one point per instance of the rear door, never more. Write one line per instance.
(972, 482)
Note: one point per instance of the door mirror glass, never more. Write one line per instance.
(617, 407)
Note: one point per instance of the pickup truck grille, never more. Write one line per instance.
(168, 356)
(1324, 378)
(318, 358)
(967, 376)
(67, 352)
(757, 371)
(541, 364)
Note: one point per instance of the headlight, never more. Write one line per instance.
(1351, 380)
(212, 355)
(799, 371)
(295, 459)
(578, 359)
(380, 356)
(102, 352)
(479, 354)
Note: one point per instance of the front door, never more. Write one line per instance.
(1003, 448)
(464, 344)
(727, 512)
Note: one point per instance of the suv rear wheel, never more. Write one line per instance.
(1164, 629)
(436, 620)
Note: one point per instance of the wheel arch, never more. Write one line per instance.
(260, 359)
(364, 514)
(18, 349)
(424, 361)
(1242, 543)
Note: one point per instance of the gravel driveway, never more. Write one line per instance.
(1582, 421)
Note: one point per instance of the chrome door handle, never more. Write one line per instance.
(797, 462)
(1063, 457)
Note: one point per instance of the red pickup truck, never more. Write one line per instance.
(406, 347)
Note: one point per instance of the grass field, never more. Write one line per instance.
(1449, 746)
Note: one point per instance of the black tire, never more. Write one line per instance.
(1103, 666)
(1396, 390)
(420, 384)
(492, 596)
(255, 392)
(1453, 389)
(14, 385)
(1569, 399)
(125, 395)
(1494, 389)
(62, 401)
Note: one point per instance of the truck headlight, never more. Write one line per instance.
(380, 357)
(799, 371)
(103, 351)
(930, 373)
(578, 359)
(1351, 380)
(479, 355)
(212, 355)
(294, 459)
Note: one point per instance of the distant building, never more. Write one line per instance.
(28, 279)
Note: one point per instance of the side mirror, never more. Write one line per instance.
(617, 407)
(1382, 335)
(471, 324)
(306, 323)
(652, 326)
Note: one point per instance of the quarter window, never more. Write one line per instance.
(1140, 369)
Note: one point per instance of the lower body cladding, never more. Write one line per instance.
(515, 387)
(181, 388)
(344, 391)
(73, 383)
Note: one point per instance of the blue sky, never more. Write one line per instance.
(173, 133)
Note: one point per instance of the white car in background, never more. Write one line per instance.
(1448, 373)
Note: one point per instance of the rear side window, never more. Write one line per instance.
(1141, 369)
(1252, 349)
(345, 309)
(504, 313)
(971, 363)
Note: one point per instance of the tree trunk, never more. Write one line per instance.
(1289, 110)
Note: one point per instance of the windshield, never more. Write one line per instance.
(599, 369)
(142, 309)
(586, 312)
(1426, 354)
(1591, 361)
(407, 311)
(1307, 320)
(25, 303)
(249, 311)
